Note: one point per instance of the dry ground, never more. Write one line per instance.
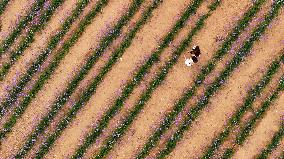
(203, 130)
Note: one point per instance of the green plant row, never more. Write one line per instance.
(122, 128)
(259, 114)
(115, 56)
(3, 5)
(251, 96)
(170, 118)
(50, 69)
(210, 91)
(29, 38)
(53, 42)
(228, 153)
(277, 137)
(130, 86)
(65, 96)
(245, 131)
(22, 24)
(83, 72)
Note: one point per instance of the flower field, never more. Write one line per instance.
(107, 79)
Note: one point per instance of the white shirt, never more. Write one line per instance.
(188, 62)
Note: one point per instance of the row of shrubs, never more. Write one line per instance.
(66, 26)
(53, 42)
(48, 72)
(29, 38)
(122, 128)
(115, 56)
(251, 124)
(273, 144)
(61, 100)
(235, 119)
(152, 141)
(22, 24)
(130, 86)
(259, 114)
(3, 5)
(237, 59)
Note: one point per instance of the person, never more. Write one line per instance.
(194, 59)
(188, 62)
(195, 51)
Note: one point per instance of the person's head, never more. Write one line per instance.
(194, 59)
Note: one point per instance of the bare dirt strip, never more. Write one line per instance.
(12, 15)
(49, 59)
(145, 42)
(266, 92)
(166, 95)
(41, 40)
(88, 79)
(264, 131)
(213, 119)
(66, 70)
(210, 78)
(134, 97)
(237, 44)
(17, 42)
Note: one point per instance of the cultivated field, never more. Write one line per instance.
(108, 79)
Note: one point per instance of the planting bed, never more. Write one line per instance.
(107, 79)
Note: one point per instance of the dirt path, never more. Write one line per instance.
(213, 119)
(67, 68)
(41, 40)
(12, 15)
(264, 131)
(145, 42)
(167, 94)
(88, 79)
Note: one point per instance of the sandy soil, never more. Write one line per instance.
(41, 39)
(129, 103)
(229, 97)
(163, 96)
(205, 128)
(264, 131)
(88, 79)
(210, 78)
(63, 74)
(12, 15)
(145, 41)
(47, 62)
(230, 141)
